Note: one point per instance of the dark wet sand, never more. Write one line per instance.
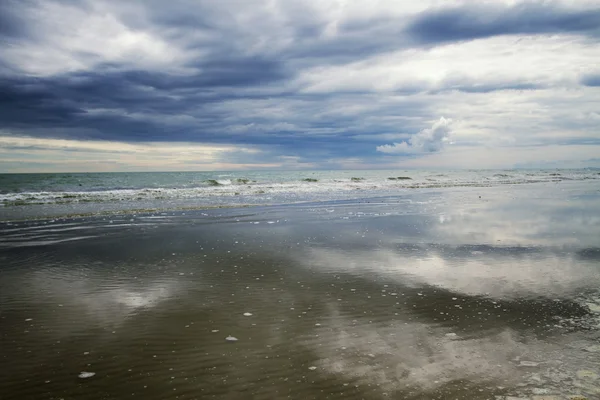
(437, 295)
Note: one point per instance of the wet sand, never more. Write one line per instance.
(432, 295)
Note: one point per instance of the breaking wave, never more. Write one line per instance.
(284, 187)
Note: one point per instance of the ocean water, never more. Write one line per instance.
(471, 293)
(34, 195)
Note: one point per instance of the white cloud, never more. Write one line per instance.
(428, 140)
(484, 64)
(74, 39)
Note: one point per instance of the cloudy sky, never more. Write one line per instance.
(321, 84)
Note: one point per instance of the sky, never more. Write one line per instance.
(153, 85)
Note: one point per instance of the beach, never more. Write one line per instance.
(285, 199)
(444, 291)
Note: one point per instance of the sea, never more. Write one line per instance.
(56, 194)
(413, 285)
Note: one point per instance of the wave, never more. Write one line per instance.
(227, 182)
(218, 182)
(286, 190)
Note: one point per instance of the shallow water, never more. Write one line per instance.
(443, 294)
(36, 195)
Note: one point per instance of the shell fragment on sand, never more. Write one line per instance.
(85, 375)
(528, 364)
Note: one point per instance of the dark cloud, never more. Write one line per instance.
(591, 80)
(26, 102)
(229, 89)
(139, 106)
(33, 100)
(226, 72)
(468, 22)
(11, 25)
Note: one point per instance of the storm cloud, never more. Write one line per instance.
(321, 83)
(523, 18)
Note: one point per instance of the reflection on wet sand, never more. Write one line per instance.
(498, 274)
(412, 298)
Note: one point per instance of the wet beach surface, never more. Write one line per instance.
(458, 293)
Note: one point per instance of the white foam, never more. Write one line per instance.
(30, 243)
(289, 187)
